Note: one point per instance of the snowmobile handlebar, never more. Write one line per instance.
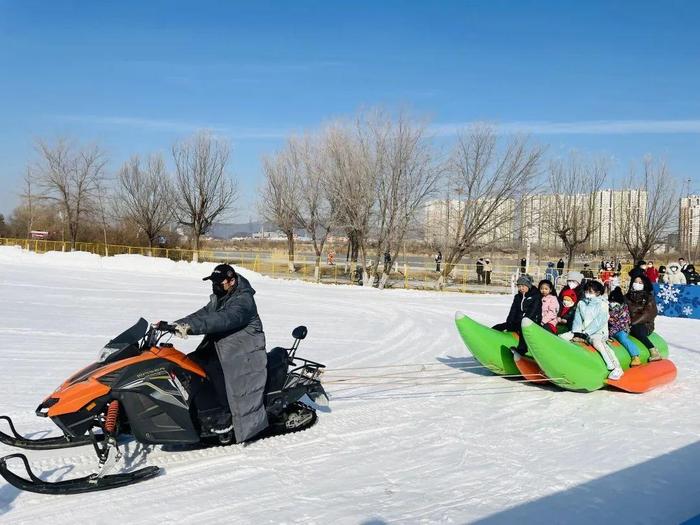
(164, 326)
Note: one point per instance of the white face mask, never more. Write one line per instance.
(572, 284)
(590, 296)
(637, 287)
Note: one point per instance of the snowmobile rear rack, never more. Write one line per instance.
(20, 441)
(89, 483)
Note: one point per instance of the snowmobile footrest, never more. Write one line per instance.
(89, 483)
(17, 440)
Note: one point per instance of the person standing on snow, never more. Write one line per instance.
(232, 353)
(487, 271)
(691, 276)
(587, 272)
(438, 261)
(551, 274)
(672, 276)
(560, 266)
(480, 270)
(652, 273)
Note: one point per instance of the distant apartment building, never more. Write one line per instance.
(689, 223)
(535, 221)
(444, 221)
(616, 209)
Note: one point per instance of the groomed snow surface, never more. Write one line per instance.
(466, 447)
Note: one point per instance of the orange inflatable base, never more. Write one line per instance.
(646, 377)
(530, 369)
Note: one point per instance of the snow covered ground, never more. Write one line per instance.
(466, 447)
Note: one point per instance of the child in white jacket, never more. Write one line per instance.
(591, 325)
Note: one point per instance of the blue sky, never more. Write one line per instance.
(612, 78)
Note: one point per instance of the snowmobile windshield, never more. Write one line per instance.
(127, 341)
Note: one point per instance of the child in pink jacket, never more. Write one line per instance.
(550, 305)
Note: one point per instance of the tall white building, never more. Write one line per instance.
(689, 223)
(444, 221)
(533, 218)
(536, 213)
(616, 209)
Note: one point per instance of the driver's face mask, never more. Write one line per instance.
(218, 289)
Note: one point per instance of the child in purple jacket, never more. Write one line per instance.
(619, 324)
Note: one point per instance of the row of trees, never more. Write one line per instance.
(368, 178)
(639, 222)
(70, 182)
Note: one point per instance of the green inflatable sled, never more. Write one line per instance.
(572, 366)
(488, 346)
(579, 367)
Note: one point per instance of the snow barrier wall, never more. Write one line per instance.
(678, 300)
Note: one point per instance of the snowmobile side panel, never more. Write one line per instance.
(156, 403)
(84, 386)
(75, 397)
(180, 359)
(89, 483)
(488, 346)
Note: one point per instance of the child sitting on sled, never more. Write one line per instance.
(620, 323)
(591, 326)
(550, 305)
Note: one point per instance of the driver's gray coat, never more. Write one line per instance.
(233, 325)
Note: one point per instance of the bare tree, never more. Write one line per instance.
(280, 195)
(69, 177)
(145, 195)
(487, 181)
(407, 177)
(203, 190)
(648, 208)
(29, 199)
(102, 205)
(316, 212)
(351, 185)
(575, 185)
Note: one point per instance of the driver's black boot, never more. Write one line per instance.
(215, 421)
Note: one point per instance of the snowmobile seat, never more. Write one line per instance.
(277, 364)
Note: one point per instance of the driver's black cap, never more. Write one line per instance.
(221, 273)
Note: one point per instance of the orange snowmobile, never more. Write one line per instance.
(147, 389)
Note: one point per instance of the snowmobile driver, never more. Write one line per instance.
(233, 355)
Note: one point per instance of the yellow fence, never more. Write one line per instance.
(422, 276)
(276, 264)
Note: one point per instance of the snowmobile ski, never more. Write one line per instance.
(20, 441)
(90, 483)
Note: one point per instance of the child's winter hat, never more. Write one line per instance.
(568, 293)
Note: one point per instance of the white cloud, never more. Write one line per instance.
(176, 126)
(585, 127)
